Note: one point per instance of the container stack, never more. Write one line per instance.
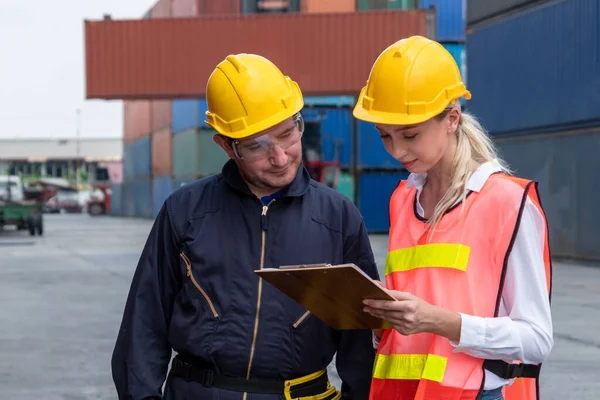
(535, 78)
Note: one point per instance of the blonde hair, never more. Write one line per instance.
(474, 144)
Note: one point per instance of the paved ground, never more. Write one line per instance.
(61, 299)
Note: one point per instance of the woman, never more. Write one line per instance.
(468, 260)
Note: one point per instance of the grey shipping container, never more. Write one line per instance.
(565, 165)
(480, 10)
(195, 153)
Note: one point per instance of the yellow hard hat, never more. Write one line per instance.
(246, 94)
(411, 81)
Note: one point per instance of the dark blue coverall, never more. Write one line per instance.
(194, 290)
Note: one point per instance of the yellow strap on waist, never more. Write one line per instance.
(410, 366)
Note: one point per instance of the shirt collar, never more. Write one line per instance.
(475, 182)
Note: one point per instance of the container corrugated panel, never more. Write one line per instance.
(161, 115)
(137, 120)
(478, 10)
(335, 126)
(219, 7)
(539, 66)
(374, 192)
(362, 5)
(188, 114)
(137, 159)
(565, 165)
(450, 19)
(126, 59)
(458, 53)
(116, 199)
(161, 153)
(161, 189)
(345, 185)
(161, 9)
(195, 153)
(141, 197)
(320, 6)
(184, 8)
(371, 152)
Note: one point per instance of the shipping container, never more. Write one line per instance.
(184, 8)
(137, 198)
(116, 199)
(371, 152)
(565, 165)
(126, 59)
(137, 159)
(160, 115)
(450, 17)
(328, 131)
(137, 120)
(459, 54)
(161, 189)
(366, 5)
(479, 11)
(345, 185)
(374, 192)
(219, 7)
(162, 9)
(320, 6)
(338, 101)
(188, 114)
(161, 153)
(537, 71)
(196, 154)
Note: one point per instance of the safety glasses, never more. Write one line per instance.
(261, 146)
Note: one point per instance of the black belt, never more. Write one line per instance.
(510, 371)
(208, 378)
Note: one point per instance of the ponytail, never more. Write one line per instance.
(474, 148)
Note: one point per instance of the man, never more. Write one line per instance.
(194, 290)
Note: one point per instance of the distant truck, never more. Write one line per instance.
(18, 210)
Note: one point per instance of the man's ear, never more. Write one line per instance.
(223, 142)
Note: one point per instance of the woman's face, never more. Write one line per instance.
(420, 147)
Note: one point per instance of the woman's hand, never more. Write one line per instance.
(409, 314)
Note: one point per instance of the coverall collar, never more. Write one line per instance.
(296, 188)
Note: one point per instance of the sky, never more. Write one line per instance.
(42, 68)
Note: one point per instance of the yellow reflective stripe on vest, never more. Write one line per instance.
(434, 255)
(410, 366)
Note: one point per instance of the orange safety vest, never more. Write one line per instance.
(461, 269)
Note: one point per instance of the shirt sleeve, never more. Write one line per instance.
(526, 334)
(142, 351)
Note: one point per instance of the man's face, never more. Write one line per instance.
(270, 159)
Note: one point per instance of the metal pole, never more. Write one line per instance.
(77, 147)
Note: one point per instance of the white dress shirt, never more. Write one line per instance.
(523, 328)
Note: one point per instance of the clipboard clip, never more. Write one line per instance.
(304, 266)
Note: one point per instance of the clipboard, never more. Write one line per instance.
(333, 293)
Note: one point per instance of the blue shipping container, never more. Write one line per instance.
(371, 152)
(374, 192)
(187, 114)
(137, 159)
(537, 69)
(116, 199)
(335, 125)
(137, 198)
(161, 189)
(339, 101)
(458, 53)
(565, 165)
(450, 17)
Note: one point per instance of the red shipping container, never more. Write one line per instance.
(161, 9)
(173, 58)
(137, 120)
(161, 115)
(184, 8)
(327, 6)
(219, 7)
(161, 153)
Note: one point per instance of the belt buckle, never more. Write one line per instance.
(207, 378)
(515, 370)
